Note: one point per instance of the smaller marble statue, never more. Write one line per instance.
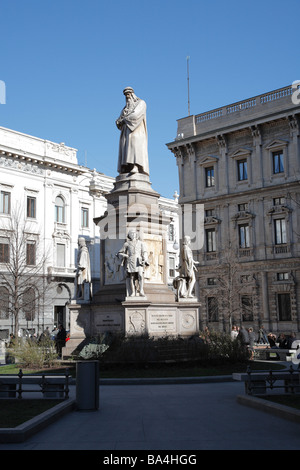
(185, 282)
(83, 271)
(135, 259)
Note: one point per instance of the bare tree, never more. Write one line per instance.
(228, 289)
(23, 275)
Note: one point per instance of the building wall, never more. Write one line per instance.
(210, 150)
(44, 170)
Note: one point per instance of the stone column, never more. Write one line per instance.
(265, 299)
(223, 165)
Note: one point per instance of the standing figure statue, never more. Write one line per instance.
(83, 271)
(135, 258)
(133, 146)
(185, 282)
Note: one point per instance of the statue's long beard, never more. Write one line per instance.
(130, 105)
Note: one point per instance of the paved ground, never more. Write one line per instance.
(203, 416)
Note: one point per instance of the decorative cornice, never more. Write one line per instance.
(36, 164)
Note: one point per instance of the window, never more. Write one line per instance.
(284, 307)
(5, 202)
(278, 201)
(278, 166)
(246, 278)
(242, 170)
(211, 281)
(84, 217)
(280, 231)
(29, 304)
(4, 250)
(4, 303)
(244, 239)
(31, 207)
(60, 255)
(59, 210)
(171, 232)
(209, 213)
(282, 276)
(210, 240)
(172, 267)
(247, 308)
(30, 254)
(209, 177)
(212, 309)
(242, 207)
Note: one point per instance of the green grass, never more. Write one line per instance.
(287, 400)
(151, 370)
(14, 412)
(179, 370)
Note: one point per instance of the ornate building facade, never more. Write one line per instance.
(242, 162)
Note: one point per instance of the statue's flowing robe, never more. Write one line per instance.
(83, 263)
(188, 264)
(133, 146)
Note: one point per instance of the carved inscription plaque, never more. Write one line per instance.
(109, 322)
(162, 320)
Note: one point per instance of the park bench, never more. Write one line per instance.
(257, 383)
(51, 386)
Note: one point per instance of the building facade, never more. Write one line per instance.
(52, 200)
(242, 163)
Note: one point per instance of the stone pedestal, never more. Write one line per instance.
(133, 204)
(170, 319)
(80, 326)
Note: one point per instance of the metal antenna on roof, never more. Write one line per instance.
(188, 82)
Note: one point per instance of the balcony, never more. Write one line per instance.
(63, 271)
(281, 249)
(245, 252)
(211, 256)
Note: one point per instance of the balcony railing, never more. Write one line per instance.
(62, 270)
(245, 252)
(278, 249)
(244, 105)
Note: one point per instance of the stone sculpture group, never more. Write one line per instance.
(133, 256)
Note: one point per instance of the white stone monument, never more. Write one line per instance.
(134, 297)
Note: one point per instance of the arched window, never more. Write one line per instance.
(59, 210)
(4, 303)
(29, 304)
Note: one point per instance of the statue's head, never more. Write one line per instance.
(186, 240)
(130, 95)
(128, 91)
(132, 234)
(81, 241)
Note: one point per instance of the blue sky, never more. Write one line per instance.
(66, 62)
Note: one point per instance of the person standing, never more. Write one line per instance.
(234, 332)
(262, 336)
(252, 338)
(60, 340)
